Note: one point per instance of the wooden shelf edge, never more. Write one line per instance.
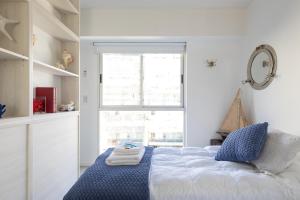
(64, 6)
(10, 55)
(53, 70)
(15, 121)
(47, 116)
(56, 28)
(9, 1)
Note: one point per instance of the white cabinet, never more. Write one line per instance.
(39, 156)
(13, 163)
(54, 157)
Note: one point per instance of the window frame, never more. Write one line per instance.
(141, 106)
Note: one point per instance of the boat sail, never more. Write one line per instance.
(235, 118)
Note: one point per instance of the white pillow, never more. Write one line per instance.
(278, 153)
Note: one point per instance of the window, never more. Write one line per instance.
(141, 97)
(121, 80)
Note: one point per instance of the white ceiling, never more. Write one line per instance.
(165, 3)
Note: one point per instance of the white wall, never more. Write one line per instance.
(88, 111)
(211, 33)
(276, 22)
(209, 92)
(162, 22)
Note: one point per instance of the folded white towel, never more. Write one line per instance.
(121, 163)
(114, 159)
(120, 150)
(135, 157)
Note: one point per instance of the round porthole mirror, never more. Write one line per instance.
(262, 67)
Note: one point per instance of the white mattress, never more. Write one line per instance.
(192, 173)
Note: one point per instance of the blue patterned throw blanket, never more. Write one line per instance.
(103, 182)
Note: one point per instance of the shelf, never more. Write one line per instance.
(52, 70)
(9, 55)
(46, 116)
(52, 25)
(64, 6)
(13, 121)
(8, 1)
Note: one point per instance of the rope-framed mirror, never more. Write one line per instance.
(262, 67)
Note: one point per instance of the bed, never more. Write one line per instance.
(192, 173)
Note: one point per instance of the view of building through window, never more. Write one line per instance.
(157, 128)
(141, 99)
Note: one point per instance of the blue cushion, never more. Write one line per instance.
(244, 144)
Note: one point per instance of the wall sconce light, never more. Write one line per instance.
(244, 82)
(211, 63)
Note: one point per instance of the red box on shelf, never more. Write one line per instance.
(50, 94)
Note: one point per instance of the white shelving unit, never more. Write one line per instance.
(14, 60)
(37, 65)
(65, 6)
(51, 24)
(10, 55)
(46, 28)
(55, 30)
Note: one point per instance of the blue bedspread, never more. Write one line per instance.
(103, 182)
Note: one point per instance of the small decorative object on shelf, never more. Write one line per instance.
(39, 105)
(2, 110)
(67, 107)
(67, 58)
(3, 23)
(50, 94)
(60, 66)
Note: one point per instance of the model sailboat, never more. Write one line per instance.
(235, 118)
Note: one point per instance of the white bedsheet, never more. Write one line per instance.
(192, 174)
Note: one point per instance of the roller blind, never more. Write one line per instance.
(137, 47)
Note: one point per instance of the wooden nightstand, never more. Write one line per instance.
(223, 134)
(216, 142)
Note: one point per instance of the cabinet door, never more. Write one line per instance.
(54, 157)
(13, 170)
